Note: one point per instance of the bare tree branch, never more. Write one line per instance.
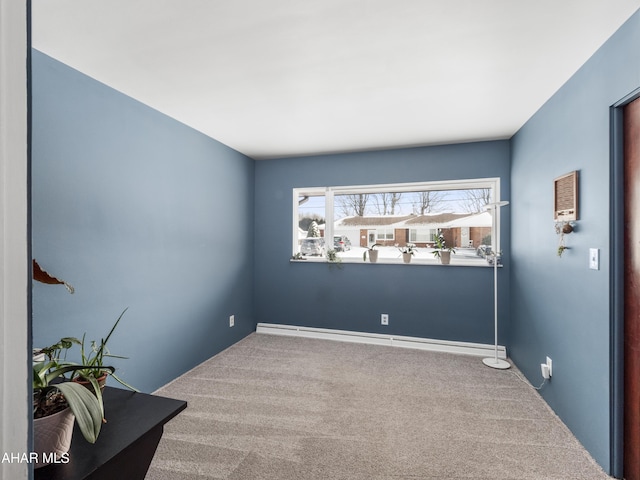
(427, 202)
(385, 203)
(475, 200)
(355, 204)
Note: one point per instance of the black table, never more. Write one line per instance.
(126, 444)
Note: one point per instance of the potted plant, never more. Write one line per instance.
(57, 402)
(373, 253)
(442, 251)
(92, 361)
(333, 258)
(408, 251)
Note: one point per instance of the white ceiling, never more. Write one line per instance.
(297, 77)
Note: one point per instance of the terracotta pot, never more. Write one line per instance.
(406, 257)
(102, 381)
(52, 436)
(445, 257)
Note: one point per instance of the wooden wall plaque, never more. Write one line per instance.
(565, 197)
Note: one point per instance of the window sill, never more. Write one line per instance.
(455, 262)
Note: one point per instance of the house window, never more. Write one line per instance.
(422, 235)
(384, 235)
(353, 218)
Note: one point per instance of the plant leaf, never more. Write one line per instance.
(96, 388)
(104, 343)
(111, 355)
(85, 407)
(40, 370)
(60, 370)
(122, 382)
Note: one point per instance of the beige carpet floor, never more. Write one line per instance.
(283, 408)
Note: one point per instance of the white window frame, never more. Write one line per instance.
(330, 191)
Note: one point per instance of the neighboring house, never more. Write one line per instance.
(367, 230)
(459, 229)
(471, 230)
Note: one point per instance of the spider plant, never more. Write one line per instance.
(92, 358)
(52, 392)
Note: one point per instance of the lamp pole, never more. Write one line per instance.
(495, 362)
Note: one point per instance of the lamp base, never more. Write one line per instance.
(496, 363)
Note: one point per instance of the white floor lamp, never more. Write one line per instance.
(495, 362)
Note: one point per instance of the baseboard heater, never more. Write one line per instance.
(463, 348)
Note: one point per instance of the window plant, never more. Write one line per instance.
(407, 251)
(373, 253)
(442, 250)
(333, 258)
(409, 248)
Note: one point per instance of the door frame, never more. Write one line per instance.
(15, 343)
(616, 286)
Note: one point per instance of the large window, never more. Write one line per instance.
(351, 219)
(422, 235)
(385, 234)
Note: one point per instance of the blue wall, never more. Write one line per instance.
(136, 210)
(559, 307)
(441, 302)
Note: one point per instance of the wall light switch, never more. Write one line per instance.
(594, 258)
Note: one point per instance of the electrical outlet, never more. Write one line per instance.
(232, 320)
(544, 368)
(384, 319)
(550, 365)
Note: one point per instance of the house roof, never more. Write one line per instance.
(437, 218)
(434, 220)
(372, 221)
(478, 220)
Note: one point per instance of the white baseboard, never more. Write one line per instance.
(463, 348)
